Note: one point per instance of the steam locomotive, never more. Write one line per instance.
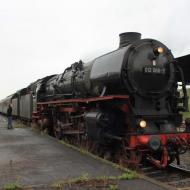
(125, 105)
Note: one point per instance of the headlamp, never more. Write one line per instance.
(142, 123)
(160, 50)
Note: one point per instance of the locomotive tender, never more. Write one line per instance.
(125, 104)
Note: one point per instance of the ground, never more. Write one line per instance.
(28, 158)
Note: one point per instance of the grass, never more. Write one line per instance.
(12, 186)
(111, 182)
(113, 187)
(84, 180)
(186, 115)
(81, 179)
(128, 176)
(19, 124)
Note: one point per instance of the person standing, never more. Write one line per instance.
(9, 116)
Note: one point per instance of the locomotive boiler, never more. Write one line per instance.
(123, 71)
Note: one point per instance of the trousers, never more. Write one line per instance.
(9, 122)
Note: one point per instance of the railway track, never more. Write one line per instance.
(176, 176)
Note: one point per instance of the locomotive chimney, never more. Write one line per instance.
(128, 38)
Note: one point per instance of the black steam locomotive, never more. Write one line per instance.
(125, 105)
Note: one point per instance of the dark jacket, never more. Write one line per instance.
(9, 111)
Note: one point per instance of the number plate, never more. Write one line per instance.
(154, 70)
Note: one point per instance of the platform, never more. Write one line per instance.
(31, 158)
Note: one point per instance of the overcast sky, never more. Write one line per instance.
(43, 37)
